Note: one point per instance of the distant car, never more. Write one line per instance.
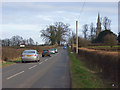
(56, 51)
(30, 55)
(52, 51)
(45, 53)
(64, 47)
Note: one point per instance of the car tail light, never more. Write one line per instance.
(35, 55)
(49, 51)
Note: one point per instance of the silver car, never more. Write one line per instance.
(30, 55)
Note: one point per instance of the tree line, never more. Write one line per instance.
(106, 36)
(59, 33)
(89, 31)
(16, 41)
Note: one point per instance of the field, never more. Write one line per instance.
(105, 48)
(13, 53)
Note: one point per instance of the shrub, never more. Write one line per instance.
(104, 62)
(110, 40)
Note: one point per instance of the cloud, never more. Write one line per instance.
(20, 27)
(29, 18)
(26, 31)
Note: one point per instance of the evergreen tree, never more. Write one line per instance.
(100, 38)
(118, 37)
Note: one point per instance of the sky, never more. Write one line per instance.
(27, 19)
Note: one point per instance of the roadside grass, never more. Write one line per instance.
(82, 77)
(7, 63)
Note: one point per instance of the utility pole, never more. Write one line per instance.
(76, 37)
(72, 41)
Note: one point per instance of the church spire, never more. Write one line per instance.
(98, 29)
(98, 18)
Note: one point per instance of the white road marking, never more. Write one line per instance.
(41, 63)
(15, 75)
(46, 59)
(32, 67)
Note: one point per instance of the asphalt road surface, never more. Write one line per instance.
(50, 72)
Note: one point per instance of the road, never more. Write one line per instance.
(50, 72)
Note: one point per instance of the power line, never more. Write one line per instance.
(82, 8)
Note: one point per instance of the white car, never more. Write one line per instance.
(56, 51)
(30, 55)
(52, 51)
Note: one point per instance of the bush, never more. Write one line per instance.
(83, 42)
(104, 62)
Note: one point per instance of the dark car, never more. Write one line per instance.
(45, 53)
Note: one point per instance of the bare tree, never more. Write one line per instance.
(62, 30)
(49, 35)
(82, 42)
(106, 23)
(16, 40)
(56, 33)
(31, 41)
(6, 42)
(85, 29)
(92, 32)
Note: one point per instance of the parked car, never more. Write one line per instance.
(30, 55)
(64, 47)
(52, 51)
(45, 53)
(56, 51)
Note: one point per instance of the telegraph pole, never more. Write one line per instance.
(72, 41)
(76, 37)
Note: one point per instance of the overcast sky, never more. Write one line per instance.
(26, 19)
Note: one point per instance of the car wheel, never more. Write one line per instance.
(38, 60)
(42, 55)
(23, 61)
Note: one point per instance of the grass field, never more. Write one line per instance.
(7, 63)
(82, 77)
(105, 48)
(11, 53)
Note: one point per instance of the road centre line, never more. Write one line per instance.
(32, 67)
(46, 59)
(40, 62)
(15, 75)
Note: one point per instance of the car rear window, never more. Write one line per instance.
(29, 51)
(45, 50)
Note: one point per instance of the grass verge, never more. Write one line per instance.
(7, 63)
(82, 77)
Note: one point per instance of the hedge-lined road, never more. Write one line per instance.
(50, 72)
